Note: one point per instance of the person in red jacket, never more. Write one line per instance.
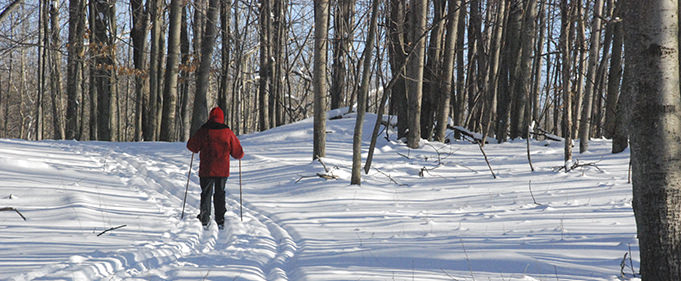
(214, 142)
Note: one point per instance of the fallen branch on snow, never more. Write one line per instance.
(110, 229)
(328, 175)
(576, 165)
(12, 209)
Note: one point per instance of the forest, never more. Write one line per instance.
(149, 70)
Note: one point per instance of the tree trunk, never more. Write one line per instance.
(55, 73)
(104, 69)
(343, 23)
(42, 57)
(432, 70)
(614, 75)
(225, 32)
(511, 100)
(565, 32)
(150, 122)
(200, 111)
(415, 66)
(581, 64)
(397, 54)
(447, 78)
(595, 45)
(76, 51)
(492, 70)
(321, 30)
(183, 121)
(172, 65)
(138, 34)
(528, 38)
(265, 81)
(652, 48)
(362, 98)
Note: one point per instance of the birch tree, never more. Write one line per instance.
(652, 48)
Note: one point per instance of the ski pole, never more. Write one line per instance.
(241, 205)
(186, 188)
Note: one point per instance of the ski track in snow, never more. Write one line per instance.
(187, 251)
(429, 214)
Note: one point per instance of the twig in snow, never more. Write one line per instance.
(530, 186)
(389, 177)
(12, 209)
(110, 229)
(576, 165)
(486, 160)
(449, 275)
(324, 176)
(324, 165)
(468, 261)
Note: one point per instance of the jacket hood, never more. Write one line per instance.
(217, 116)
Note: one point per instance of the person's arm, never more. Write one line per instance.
(194, 144)
(236, 150)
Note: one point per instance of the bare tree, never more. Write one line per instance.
(200, 112)
(652, 48)
(415, 66)
(342, 40)
(362, 98)
(321, 31)
(265, 81)
(74, 72)
(585, 120)
(138, 34)
(447, 77)
(150, 116)
(172, 65)
(55, 72)
(565, 38)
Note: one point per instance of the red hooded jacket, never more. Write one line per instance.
(215, 142)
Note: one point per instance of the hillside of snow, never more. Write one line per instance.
(434, 213)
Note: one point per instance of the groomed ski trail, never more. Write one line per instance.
(256, 249)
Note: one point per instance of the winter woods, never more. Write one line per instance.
(148, 70)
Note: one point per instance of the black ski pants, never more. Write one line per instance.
(208, 185)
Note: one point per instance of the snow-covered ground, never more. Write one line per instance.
(435, 213)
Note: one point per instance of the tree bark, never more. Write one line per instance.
(104, 69)
(321, 30)
(172, 66)
(492, 70)
(225, 32)
(265, 82)
(432, 71)
(200, 111)
(76, 51)
(447, 78)
(138, 34)
(55, 73)
(343, 23)
(150, 123)
(614, 75)
(415, 67)
(397, 54)
(594, 48)
(565, 32)
(362, 98)
(652, 48)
